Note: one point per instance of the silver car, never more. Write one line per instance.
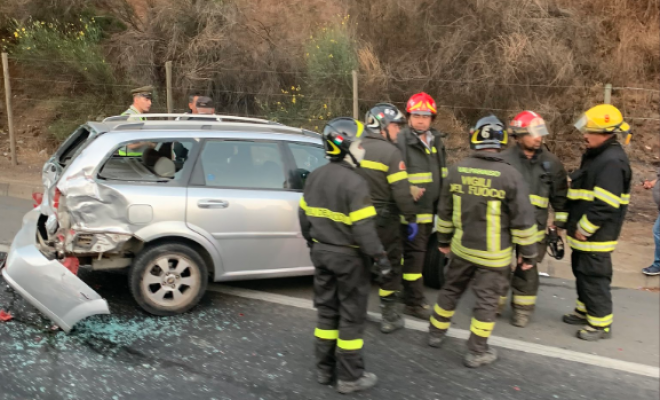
(174, 202)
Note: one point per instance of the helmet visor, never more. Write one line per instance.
(537, 128)
(581, 123)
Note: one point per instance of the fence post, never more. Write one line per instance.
(608, 94)
(355, 95)
(10, 115)
(168, 82)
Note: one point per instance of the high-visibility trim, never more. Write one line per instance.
(579, 306)
(524, 300)
(483, 329)
(423, 177)
(412, 277)
(124, 153)
(440, 325)
(443, 226)
(487, 259)
(493, 226)
(363, 213)
(434, 150)
(602, 247)
(524, 237)
(351, 345)
(374, 165)
(524, 232)
(587, 225)
(607, 197)
(317, 212)
(538, 201)
(600, 322)
(456, 215)
(385, 293)
(502, 300)
(625, 198)
(326, 334)
(399, 176)
(424, 218)
(445, 172)
(580, 194)
(539, 236)
(561, 217)
(442, 312)
(442, 229)
(526, 241)
(303, 203)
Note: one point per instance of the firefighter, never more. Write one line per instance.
(598, 199)
(424, 156)
(545, 177)
(337, 220)
(488, 197)
(385, 171)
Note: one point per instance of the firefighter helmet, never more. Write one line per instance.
(488, 133)
(421, 104)
(342, 137)
(603, 118)
(528, 123)
(381, 116)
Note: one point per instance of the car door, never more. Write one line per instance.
(239, 194)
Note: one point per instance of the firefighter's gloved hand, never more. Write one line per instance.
(413, 230)
(383, 268)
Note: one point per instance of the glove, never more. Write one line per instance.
(413, 230)
(383, 268)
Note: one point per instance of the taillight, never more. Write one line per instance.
(38, 198)
(56, 198)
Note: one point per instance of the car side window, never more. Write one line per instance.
(242, 165)
(154, 161)
(307, 158)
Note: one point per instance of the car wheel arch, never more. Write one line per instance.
(203, 252)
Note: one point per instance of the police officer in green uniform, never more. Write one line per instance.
(141, 104)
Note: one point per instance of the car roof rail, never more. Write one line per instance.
(187, 117)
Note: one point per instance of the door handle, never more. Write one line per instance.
(212, 203)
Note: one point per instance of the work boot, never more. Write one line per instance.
(422, 311)
(476, 360)
(323, 377)
(367, 381)
(593, 334)
(391, 319)
(436, 338)
(519, 318)
(574, 319)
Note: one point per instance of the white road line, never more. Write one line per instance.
(512, 344)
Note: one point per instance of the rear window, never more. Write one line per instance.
(72, 144)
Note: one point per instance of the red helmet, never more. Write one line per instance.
(421, 104)
(528, 123)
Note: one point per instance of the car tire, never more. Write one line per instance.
(434, 264)
(168, 279)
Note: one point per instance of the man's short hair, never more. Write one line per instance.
(204, 102)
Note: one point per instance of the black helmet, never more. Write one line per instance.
(339, 133)
(381, 115)
(488, 133)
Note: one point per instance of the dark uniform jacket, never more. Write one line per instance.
(545, 177)
(484, 210)
(598, 197)
(425, 169)
(336, 211)
(385, 171)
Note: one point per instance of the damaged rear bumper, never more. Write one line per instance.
(47, 284)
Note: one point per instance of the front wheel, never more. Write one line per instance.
(168, 279)
(434, 264)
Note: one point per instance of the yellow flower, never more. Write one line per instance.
(43, 23)
(16, 34)
(320, 116)
(298, 88)
(23, 29)
(317, 46)
(316, 127)
(28, 48)
(330, 56)
(307, 55)
(293, 100)
(325, 106)
(278, 103)
(293, 88)
(328, 114)
(81, 33)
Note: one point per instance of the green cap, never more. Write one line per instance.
(144, 90)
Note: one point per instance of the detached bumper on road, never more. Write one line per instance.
(47, 284)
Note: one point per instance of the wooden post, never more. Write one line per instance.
(608, 94)
(168, 82)
(10, 115)
(355, 95)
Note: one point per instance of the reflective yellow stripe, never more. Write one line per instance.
(539, 236)
(363, 213)
(580, 306)
(442, 312)
(123, 153)
(625, 198)
(303, 203)
(443, 223)
(434, 150)
(355, 344)
(591, 246)
(483, 329)
(524, 300)
(600, 322)
(444, 230)
(440, 325)
(493, 228)
(524, 237)
(399, 176)
(331, 215)
(524, 232)
(561, 216)
(412, 277)
(607, 197)
(374, 165)
(502, 300)
(580, 194)
(587, 225)
(443, 226)
(483, 258)
(424, 218)
(385, 293)
(445, 172)
(326, 334)
(538, 201)
(424, 177)
(456, 215)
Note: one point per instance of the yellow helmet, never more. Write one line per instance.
(603, 118)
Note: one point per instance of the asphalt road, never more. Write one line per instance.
(236, 348)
